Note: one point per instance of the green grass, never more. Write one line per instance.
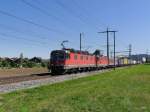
(123, 90)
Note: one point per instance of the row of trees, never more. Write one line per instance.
(22, 62)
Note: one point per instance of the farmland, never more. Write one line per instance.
(123, 90)
(21, 71)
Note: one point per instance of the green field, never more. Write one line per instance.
(123, 90)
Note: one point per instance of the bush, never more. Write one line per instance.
(13, 64)
(5, 64)
(44, 64)
(8, 63)
(29, 64)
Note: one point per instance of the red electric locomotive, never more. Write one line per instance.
(70, 60)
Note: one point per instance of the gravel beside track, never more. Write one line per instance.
(8, 80)
(35, 81)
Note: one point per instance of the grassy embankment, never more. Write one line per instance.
(123, 90)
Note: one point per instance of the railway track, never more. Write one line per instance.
(15, 79)
(10, 84)
(25, 82)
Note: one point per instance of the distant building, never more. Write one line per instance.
(36, 59)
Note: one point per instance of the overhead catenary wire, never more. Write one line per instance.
(43, 11)
(21, 38)
(21, 32)
(36, 7)
(29, 21)
(25, 39)
(71, 11)
(33, 35)
(79, 16)
(24, 43)
(25, 20)
(86, 14)
(40, 10)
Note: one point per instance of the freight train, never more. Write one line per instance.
(72, 61)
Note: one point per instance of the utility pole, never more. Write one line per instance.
(21, 60)
(147, 57)
(81, 34)
(108, 31)
(80, 41)
(130, 51)
(107, 45)
(114, 49)
(111, 54)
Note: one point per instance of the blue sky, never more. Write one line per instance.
(65, 19)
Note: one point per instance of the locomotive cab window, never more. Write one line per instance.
(57, 56)
(67, 56)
